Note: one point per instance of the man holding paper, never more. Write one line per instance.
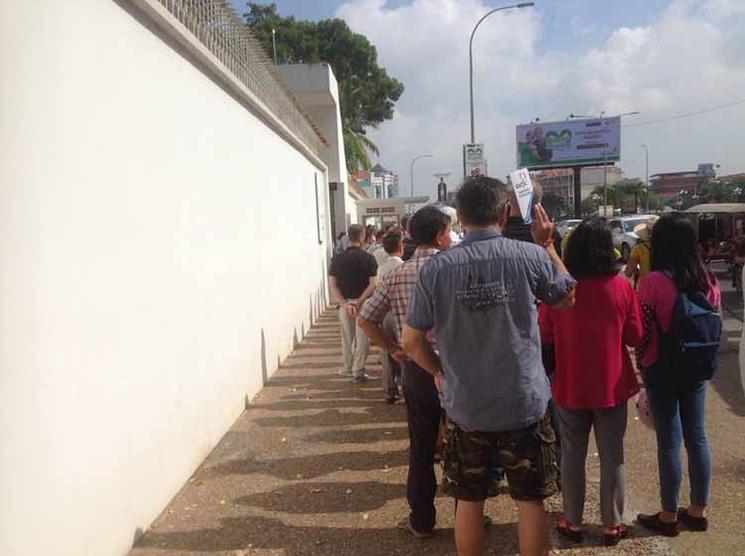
(480, 298)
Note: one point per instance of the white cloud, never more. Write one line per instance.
(690, 58)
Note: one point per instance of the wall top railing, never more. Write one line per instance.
(221, 31)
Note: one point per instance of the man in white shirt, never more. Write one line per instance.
(393, 247)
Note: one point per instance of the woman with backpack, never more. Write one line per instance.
(680, 299)
(594, 376)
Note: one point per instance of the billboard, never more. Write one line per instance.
(570, 143)
(474, 163)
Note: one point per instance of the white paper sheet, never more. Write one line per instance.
(523, 187)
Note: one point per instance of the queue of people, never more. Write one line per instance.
(467, 328)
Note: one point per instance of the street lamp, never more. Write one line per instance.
(646, 164)
(412, 169)
(470, 52)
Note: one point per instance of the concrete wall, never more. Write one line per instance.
(158, 252)
(317, 91)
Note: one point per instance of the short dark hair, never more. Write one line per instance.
(589, 251)
(392, 241)
(370, 232)
(355, 233)
(426, 224)
(479, 200)
(675, 250)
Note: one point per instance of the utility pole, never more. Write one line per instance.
(274, 45)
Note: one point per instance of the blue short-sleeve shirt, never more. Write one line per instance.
(480, 299)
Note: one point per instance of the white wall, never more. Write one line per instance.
(151, 231)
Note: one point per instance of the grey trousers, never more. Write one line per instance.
(610, 428)
(354, 344)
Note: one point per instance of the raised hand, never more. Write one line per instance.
(542, 229)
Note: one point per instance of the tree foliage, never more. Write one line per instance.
(367, 93)
(716, 191)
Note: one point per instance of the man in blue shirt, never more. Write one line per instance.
(480, 299)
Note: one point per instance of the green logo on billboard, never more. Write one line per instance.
(559, 140)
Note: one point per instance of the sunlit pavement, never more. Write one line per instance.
(317, 465)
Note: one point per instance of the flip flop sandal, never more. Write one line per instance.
(612, 539)
(564, 530)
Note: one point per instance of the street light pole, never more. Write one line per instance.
(646, 165)
(412, 169)
(470, 53)
(274, 45)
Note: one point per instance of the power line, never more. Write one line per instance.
(690, 114)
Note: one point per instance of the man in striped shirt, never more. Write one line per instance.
(430, 230)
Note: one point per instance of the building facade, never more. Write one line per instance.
(383, 183)
(558, 182)
(592, 177)
(671, 184)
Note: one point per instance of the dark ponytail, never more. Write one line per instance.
(675, 251)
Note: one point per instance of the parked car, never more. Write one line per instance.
(624, 237)
(564, 226)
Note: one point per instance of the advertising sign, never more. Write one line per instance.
(570, 143)
(474, 163)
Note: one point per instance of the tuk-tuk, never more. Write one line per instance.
(721, 235)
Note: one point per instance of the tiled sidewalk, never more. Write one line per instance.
(317, 466)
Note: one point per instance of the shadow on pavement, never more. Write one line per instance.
(303, 402)
(309, 467)
(321, 498)
(334, 417)
(360, 436)
(274, 534)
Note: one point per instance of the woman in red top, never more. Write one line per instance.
(594, 376)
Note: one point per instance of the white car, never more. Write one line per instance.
(624, 237)
(565, 225)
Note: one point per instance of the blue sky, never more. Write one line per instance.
(597, 17)
(663, 58)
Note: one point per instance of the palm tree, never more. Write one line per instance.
(358, 147)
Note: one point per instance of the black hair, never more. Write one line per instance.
(405, 222)
(480, 200)
(355, 233)
(392, 241)
(370, 232)
(589, 251)
(675, 251)
(426, 224)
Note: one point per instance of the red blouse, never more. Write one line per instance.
(593, 366)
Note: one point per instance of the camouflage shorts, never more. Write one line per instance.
(527, 456)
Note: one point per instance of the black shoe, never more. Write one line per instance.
(405, 525)
(691, 522)
(359, 379)
(654, 523)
